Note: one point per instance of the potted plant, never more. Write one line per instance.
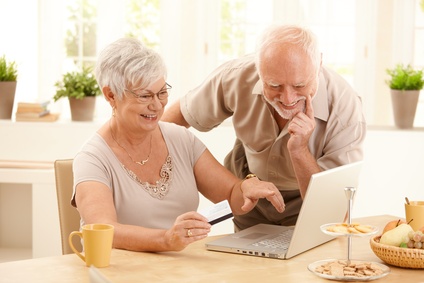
(8, 77)
(405, 85)
(81, 88)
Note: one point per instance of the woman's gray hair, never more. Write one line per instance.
(127, 63)
(289, 34)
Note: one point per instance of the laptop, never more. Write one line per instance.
(325, 202)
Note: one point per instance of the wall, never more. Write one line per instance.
(393, 169)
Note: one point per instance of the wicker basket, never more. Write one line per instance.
(402, 257)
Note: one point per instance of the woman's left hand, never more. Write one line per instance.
(253, 189)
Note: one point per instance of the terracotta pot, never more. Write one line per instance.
(404, 103)
(82, 109)
(7, 98)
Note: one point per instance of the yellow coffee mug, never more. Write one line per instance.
(97, 244)
(414, 212)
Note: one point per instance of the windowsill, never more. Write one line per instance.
(393, 128)
(227, 123)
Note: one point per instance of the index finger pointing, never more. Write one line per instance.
(309, 111)
(278, 202)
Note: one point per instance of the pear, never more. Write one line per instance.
(396, 236)
(392, 224)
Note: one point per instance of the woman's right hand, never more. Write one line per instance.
(188, 228)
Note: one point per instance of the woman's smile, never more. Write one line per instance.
(149, 116)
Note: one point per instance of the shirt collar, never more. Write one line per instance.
(319, 102)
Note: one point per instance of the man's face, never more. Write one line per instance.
(288, 77)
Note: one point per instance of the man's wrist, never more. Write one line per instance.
(249, 176)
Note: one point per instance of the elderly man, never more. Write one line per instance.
(292, 117)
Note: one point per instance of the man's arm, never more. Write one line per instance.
(304, 165)
(173, 114)
(300, 129)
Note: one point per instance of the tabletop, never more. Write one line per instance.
(196, 264)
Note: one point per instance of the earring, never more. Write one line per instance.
(113, 111)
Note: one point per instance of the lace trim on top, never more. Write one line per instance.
(160, 189)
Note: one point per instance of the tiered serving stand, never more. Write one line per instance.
(350, 193)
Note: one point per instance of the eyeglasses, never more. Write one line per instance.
(147, 97)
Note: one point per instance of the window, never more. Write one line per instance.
(240, 22)
(419, 56)
(359, 39)
(143, 21)
(81, 33)
(334, 24)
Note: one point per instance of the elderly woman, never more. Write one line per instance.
(143, 176)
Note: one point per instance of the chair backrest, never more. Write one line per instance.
(68, 215)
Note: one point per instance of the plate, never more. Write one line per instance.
(373, 230)
(312, 268)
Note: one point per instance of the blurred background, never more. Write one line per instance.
(358, 38)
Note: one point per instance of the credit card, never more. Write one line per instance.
(218, 212)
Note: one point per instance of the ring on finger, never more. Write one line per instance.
(189, 233)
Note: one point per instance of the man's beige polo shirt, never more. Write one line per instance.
(234, 89)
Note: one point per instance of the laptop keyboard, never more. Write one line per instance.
(280, 241)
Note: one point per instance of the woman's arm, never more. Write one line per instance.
(95, 204)
(217, 183)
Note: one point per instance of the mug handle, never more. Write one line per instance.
(72, 245)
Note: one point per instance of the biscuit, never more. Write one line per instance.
(355, 228)
(341, 269)
(363, 228)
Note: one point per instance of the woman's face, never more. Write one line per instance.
(288, 77)
(143, 108)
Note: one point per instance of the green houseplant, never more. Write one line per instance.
(81, 89)
(8, 82)
(405, 78)
(8, 70)
(405, 84)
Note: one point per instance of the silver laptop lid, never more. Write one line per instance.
(325, 202)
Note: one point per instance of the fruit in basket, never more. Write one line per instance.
(392, 224)
(409, 258)
(396, 236)
(416, 240)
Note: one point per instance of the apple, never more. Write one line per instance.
(396, 236)
(393, 224)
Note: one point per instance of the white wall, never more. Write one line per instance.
(393, 169)
(393, 166)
